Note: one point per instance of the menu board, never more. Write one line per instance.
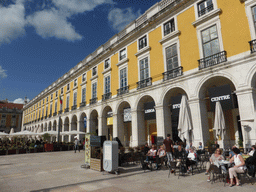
(87, 149)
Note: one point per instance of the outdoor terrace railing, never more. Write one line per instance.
(93, 100)
(66, 110)
(45, 117)
(83, 104)
(212, 60)
(74, 107)
(123, 90)
(54, 114)
(253, 45)
(50, 115)
(106, 96)
(173, 73)
(144, 83)
(60, 111)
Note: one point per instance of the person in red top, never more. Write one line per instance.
(168, 148)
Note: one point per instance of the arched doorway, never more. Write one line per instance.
(83, 125)
(146, 118)
(66, 129)
(220, 89)
(171, 108)
(94, 122)
(50, 126)
(107, 123)
(45, 127)
(124, 125)
(73, 127)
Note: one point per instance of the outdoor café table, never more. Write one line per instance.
(226, 164)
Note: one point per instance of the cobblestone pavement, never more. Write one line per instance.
(62, 172)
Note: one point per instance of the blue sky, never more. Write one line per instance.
(40, 40)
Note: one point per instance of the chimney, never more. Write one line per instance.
(25, 100)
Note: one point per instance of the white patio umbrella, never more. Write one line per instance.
(51, 132)
(74, 132)
(24, 133)
(3, 134)
(11, 131)
(185, 123)
(219, 123)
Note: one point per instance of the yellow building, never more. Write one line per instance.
(131, 87)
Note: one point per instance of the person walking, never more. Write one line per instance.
(168, 148)
(77, 145)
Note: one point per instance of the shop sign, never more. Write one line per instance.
(149, 110)
(223, 95)
(127, 115)
(175, 105)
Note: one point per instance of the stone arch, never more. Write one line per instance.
(207, 109)
(49, 126)
(124, 125)
(147, 130)
(94, 121)
(83, 122)
(171, 103)
(107, 125)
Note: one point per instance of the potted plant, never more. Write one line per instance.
(240, 144)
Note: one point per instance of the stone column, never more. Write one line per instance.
(199, 121)
(69, 129)
(160, 123)
(246, 105)
(100, 126)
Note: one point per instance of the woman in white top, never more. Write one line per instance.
(191, 159)
(238, 168)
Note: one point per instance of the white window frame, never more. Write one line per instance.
(168, 44)
(119, 74)
(202, 27)
(248, 8)
(56, 94)
(75, 81)
(84, 79)
(96, 71)
(146, 34)
(67, 101)
(56, 107)
(61, 90)
(119, 54)
(84, 87)
(109, 60)
(215, 6)
(95, 81)
(75, 92)
(175, 26)
(143, 56)
(107, 75)
(68, 87)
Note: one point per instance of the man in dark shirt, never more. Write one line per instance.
(168, 148)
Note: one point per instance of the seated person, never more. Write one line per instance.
(180, 153)
(251, 161)
(213, 161)
(151, 153)
(238, 168)
(200, 149)
(231, 153)
(161, 153)
(191, 159)
(146, 149)
(252, 151)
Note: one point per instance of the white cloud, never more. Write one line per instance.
(80, 6)
(119, 18)
(12, 22)
(20, 101)
(2, 72)
(52, 23)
